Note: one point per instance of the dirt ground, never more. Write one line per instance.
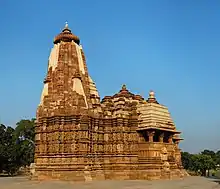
(187, 183)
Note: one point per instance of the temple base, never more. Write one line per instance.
(87, 175)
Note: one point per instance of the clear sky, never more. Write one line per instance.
(169, 46)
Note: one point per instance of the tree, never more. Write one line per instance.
(8, 154)
(202, 162)
(25, 140)
(25, 129)
(2, 147)
(217, 154)
(187, 160)
(16, 146)
(210, 153)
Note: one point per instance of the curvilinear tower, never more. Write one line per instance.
(80, 138)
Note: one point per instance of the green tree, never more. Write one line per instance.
(16, 146)
(25, 134)
(2, 146)
(210, 153)
(217, 154)
(8, 153)
(202, 162)
(25, 129)
(187, 160)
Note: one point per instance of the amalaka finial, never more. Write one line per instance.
(124, 87)
(151, 94)
(66, 24)
(66, 28)
(152, 97)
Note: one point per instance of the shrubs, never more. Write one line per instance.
(193, 173)
(217, 174)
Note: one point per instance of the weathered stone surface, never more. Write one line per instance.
(80, 138)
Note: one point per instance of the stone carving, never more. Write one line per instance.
(80, 137)
(32, 170)
(161, 137)
(164, 155)
(150, 135)
(166, 166)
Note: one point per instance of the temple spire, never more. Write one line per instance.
(66, 35)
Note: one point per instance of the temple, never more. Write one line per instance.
(80, 137)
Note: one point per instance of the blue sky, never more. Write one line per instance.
(169, 46)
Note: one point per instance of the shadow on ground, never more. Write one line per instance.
(214, 179)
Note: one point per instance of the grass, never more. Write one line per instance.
(217, 173)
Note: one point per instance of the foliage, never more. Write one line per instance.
(218, 157)
(24, 133)
(202, 162)
(187, 160)
(16, 146)
(217, 174)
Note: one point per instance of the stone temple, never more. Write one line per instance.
(80, 137)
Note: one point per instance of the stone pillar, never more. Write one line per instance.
(178, 154)
(176, 142)
(151, 135)
(161, 137)
(141, 138)
(170, 139)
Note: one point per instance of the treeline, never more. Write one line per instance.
(16, 146)
(201, 163)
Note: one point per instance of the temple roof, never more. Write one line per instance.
(67, 36)
(124, 92)
(154, 115)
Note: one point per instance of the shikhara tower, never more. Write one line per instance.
(79, 137)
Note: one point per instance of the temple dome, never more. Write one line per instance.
(66, 36)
